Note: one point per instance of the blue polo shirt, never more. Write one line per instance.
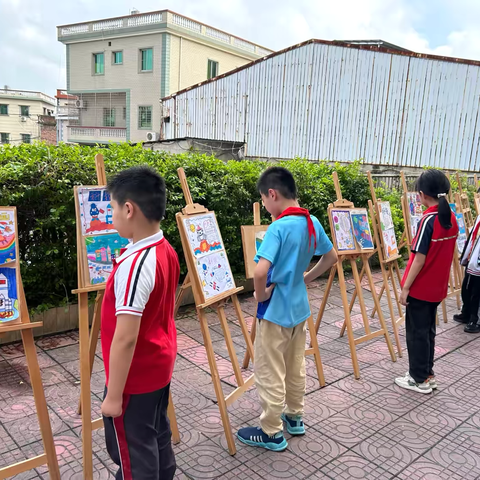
(286, 246)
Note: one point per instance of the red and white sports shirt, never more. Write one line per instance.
(143, 284)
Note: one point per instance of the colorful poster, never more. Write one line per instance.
(462, 231)
(9, 308)
(388, 230)
(101, 250)
(259, 236)
(95, 210)
(203, 234)
(215, 274)
(361, 229)
(343, 230)
(7, 236)
(415, 210)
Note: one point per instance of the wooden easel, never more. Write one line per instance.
(463, 206)
(250, 254)
(389, 266)
(25, 327)
(217, 302)
(351, 256)
(476, 196)
(88, 345)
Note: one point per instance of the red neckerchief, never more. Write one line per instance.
(302, 212)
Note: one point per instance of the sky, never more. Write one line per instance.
(33, 59)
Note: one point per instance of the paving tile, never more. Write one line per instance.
(394, 402)
(456, 407)
(436, 421)
(56, 341)
(459, 452)
(333, 398)
(16, 408)
(386, 453)
(345, 430)
(184, 342)
(6, 441)
(362, 388)
(412, 436)
(315, 448)
(206, 460)
(424, 469)
(374, 418)
(65, 354)
(283, 465)
(351, 465)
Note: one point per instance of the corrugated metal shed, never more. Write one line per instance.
(328, 100)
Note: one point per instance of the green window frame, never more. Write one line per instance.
(118, 58)
(26, 138)
(98, 64)
(4, 138)
(146, 59)
(212, 69)
(3, 109)
(145, 117)
(108, 117)
(24, 110)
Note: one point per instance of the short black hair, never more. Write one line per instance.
(143, 186)
(280, 179)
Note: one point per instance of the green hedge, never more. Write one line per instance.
(39, 180)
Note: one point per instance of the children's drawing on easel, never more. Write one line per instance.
(361, 229)
(259, 236)
(343, 230)
(388, 230)
(95, 210)
(203, 234)
(7, 236)
(415, 211)
(215, 274)
(462, 231)
(9, 308)
(101, 251)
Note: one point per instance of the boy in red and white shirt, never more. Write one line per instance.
(139, 339)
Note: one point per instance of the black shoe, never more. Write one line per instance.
(473, 327)
(461, 318)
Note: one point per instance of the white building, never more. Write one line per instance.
(119, 68)
(20, 111)
(65, 112)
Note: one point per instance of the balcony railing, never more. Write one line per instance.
(92, 134)
(114, 25)
(27, 93)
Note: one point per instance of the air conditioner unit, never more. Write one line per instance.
(23, 119)
(152, 136)
(80, 104)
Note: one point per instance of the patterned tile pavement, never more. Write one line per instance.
(366, 428)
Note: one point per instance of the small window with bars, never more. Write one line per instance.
(117, 58)
(145, 117)
(146, 59)
(4, 138)
(108, 117)
(98, 64)
(26, 138)
(24, 111)
(4, 109)
(212, 69)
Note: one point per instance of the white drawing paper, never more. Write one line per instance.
(96, 213)
(215, 274)
(343, 230)
(203, 234)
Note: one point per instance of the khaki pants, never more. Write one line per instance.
(279, 372)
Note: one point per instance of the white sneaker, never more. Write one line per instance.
(409, 383)
(432, 382)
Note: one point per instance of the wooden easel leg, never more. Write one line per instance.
(354, 295)
(380, 314)
(358, 282)
(248, 339)
(316, 351)
(323, 305)
(181, 293)
(173, 420)
(40, 403)
(85, 397)
(380, 295)
(395, 289)
(95, 331)
(444, 312)
(216, 382)
(246, 360)
(390, 307)
(351, 339)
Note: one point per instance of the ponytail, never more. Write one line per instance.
(435, 184)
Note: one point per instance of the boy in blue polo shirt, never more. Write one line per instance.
(282, 259)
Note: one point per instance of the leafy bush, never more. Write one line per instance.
(39, 180)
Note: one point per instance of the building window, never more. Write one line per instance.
(146, 60)
(4, 138)
(212, 69)
(144, 117)
(4, 109)
(24, 111)
(98, 64)
(108, 117)
(26, 138)
(117, 58)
